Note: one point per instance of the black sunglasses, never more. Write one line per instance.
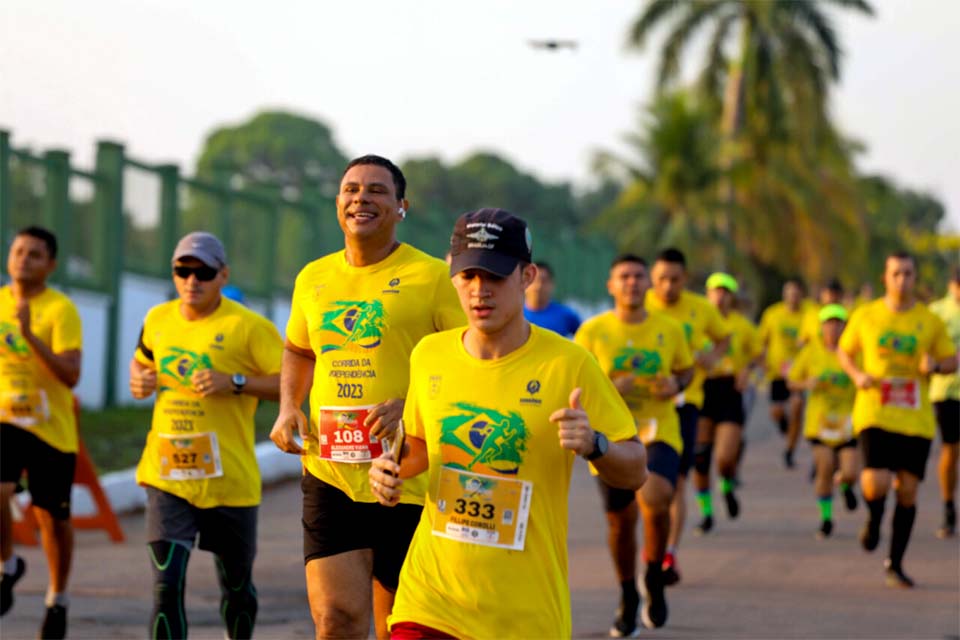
(203, 273)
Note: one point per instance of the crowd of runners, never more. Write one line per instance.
(446, 405)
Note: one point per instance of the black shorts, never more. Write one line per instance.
(333, 523)
(779, 391)
(688, 414)
(948, 417)
(662, 459)
(228, 532)
(49, 470)
(721, 401)
(848, 444)
(894, 451)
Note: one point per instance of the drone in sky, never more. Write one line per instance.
(553, 45)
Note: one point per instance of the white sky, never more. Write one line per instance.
(441, 77)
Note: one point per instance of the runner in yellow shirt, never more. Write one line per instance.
(708, 338)
(40, 349)
(495, 415)
(647, 357)
(945, 395)
(721, 421)
(901, 344)
(355, 317)
(830, 293)
(209, 360)
(780, 327)
(827, 425)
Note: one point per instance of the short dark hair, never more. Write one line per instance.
(797, 280)
(901, 255)
(672, 255)
(41, 233)
(628, 257)
(543, 266)
(399, 182)
(834, 286)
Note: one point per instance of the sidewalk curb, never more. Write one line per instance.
(126, 496)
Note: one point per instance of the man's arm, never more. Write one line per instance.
(208, 382)
(859, 377)
(296, 377)
(65, 366)
(386, 476)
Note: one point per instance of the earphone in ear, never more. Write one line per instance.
(402, 212)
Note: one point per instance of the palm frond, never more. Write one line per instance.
(823, 29)
(860, 5)
(681, 36)
(717, 62)
(656, 12)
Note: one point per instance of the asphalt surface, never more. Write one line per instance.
(761, 576)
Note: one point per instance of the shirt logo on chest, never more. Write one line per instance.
(483, 440)
(354, 323)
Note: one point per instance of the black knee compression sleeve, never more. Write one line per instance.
(238, 603)
(169, 562)
(702, 456)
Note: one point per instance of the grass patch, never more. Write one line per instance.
(115, 437)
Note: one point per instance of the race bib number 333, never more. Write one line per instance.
(481, 509)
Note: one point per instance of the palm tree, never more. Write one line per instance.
(784, 55)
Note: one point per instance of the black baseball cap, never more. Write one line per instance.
(494, 240)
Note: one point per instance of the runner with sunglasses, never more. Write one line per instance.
(209, 360)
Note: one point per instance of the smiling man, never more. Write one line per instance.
(209, 360)
(496, 413)
(355, 317)
(40, 349)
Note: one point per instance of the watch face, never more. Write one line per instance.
(239, 379)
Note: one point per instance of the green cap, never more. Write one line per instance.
(723, 280)
(833, 312)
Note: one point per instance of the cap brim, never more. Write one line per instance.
(202, 256)
(496, 263)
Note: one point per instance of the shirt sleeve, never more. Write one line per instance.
(447, 312)
(145, 347)
(297, 331)
(763, 333)
(798, 371)
(942, 347)
(412, 421)
(67, 332)
(682, 357)
(573, 321)
(850, 338)
(605, 408)
(717, 328)
(582, 337)
(266, 347)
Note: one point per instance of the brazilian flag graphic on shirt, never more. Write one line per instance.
(640, 361)
(13, 342)
(180, 365)
(354, 322)
(483, 440)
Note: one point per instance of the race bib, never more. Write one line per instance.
(343, 438)
(194, 456)
(835, 428)
(24, 408)
(903, 393)
(647, 430)
(480, 509)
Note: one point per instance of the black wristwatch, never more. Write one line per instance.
(239, 382)
(600, 446)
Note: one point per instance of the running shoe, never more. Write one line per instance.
(788, 458)
(671, 574)
(654, 610)
(705, 526)
(54, 623)
(896, 577)
(949, 527)
(733, 505)
(850, 499)
(625, 624)
(6, 585)
(870, 535)
(826, 528)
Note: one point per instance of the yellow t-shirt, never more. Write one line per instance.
(947, 387)
(780, 333)
(830, 403)
(702, 324)
(891, 345)
(362, 323)
(201, 449)
(489, 557)
(649, 350)
(31, 397)
(744, 347)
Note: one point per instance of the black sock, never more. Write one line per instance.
(782, 423)
(876, 510)
(628, 589)
(903, 518)
(950, 513)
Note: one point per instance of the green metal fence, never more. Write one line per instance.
(126, 215)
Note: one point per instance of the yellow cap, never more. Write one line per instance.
(723, 280)
(833, 312)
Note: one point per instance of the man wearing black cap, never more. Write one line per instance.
(355, 317)
(495, 414)
(209, 360)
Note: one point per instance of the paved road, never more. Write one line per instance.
(763, 576)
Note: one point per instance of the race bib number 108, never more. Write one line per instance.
(343, 436)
